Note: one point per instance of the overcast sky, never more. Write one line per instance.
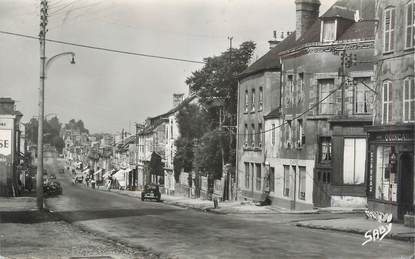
(110, 91)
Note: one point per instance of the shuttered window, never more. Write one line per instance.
(409, 100)
(389, 30)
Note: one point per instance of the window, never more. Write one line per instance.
(288, 135)
(260, 135)
(286, 190)
(354, 158)
(246, 175)
(325, 149)
(246, 100)
(410, 25)
(253, 135)
(258, 177)
(252, 175)
(272, 179)
(387, 102)
(246, 135)
(300, 133)
(288, 91)
(362, 96)
(386, 180)
(326, 106)
(253, 100)
(409, 100)
(171, 130)
(273, 134)
(389, 30)
(329, 30)
(300, 87)
(261, 99)
(302, 182)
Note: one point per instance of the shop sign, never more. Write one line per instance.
(394, 137)
(6, 123)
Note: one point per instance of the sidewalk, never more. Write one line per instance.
(360, 225)
(204, 205)
(17, 204)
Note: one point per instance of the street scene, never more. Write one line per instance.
(207, 129)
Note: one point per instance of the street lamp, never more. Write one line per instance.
(45, 64)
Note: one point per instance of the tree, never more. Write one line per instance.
(192, 124)
(76, 125)
(218, 77)
(51, 132)
(216, 85)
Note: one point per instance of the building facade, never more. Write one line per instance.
(390, 164)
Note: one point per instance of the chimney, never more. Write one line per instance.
(276, 40)
(306, 14)
(6, 105)
(177, 99)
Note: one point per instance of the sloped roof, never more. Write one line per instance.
(175, 109)
(270, 61)
(339, 11)
(276, 113)
(362, 30)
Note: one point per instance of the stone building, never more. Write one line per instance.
(317, 124)
(390, 164)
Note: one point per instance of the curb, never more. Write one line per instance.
(354, 231)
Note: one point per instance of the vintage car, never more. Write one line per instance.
(151, 191)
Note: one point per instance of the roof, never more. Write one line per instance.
(175, 109)
(362, 30)
(271, 60)
(276, 113)
(336, 11)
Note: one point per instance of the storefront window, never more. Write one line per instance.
(386, 181)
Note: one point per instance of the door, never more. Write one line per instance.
(406, 184)
(321, 197)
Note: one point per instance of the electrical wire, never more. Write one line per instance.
(102, 49)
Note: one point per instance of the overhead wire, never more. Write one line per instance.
(102, 48)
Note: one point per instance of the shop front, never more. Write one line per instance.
(390, 169)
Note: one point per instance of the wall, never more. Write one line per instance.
(269, 81)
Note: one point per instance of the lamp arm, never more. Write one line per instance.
(50, 60)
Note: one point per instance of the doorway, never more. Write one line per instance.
(406, 190)
(321, 188)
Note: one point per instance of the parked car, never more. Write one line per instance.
(151, 191)
(52, 177)
(52, 188)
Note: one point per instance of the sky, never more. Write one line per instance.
(112, 91)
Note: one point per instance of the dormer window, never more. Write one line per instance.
(328, 30)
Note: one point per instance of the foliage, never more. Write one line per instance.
(216, 86)
(208, 155)
(218, 77)
(192, 123)
(76, 125)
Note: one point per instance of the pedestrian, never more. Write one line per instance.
(109, 182)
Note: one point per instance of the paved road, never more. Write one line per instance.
(178, 232)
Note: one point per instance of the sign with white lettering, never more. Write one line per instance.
(6, 123)
(5, 142)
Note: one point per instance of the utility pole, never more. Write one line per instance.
(42, 36)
